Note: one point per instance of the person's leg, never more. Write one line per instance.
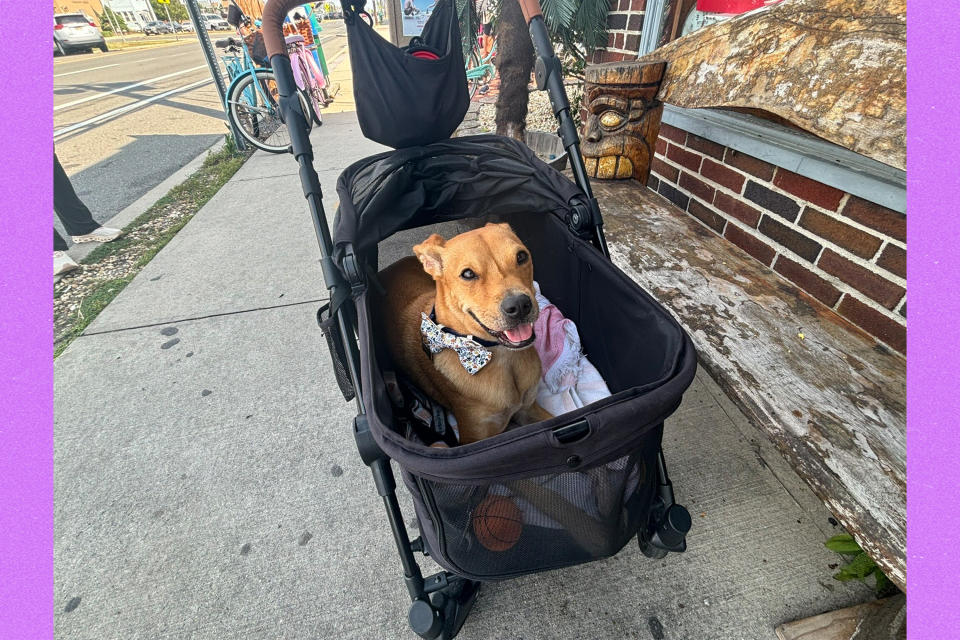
(74, 215)
(59, 244)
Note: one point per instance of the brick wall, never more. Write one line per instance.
(624, 21)
(848, 253)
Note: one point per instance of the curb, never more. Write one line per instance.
(121, 48)
(79, 251)
(151, 45)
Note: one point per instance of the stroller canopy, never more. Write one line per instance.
(448, 180)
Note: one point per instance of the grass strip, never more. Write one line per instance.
(81, 295)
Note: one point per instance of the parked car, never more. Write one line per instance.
(214, 22)
(76, 32)
(186, 25)
(156, 28)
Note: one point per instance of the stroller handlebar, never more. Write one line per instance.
(272, 25)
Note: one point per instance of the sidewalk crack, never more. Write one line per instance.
(191, 319)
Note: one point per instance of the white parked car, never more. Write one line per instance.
(76, 32)
(214, 22)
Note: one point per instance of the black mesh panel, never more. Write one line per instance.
(545, 522)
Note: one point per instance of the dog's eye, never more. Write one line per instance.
(522, 257)
(468, 274)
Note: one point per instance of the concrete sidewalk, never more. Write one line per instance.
(207, 483)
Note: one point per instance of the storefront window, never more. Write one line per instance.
(675, 18)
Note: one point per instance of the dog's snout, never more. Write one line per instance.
(516, 306)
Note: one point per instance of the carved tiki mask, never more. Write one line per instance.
(623, 118)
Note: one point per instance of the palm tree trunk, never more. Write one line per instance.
(515, 58)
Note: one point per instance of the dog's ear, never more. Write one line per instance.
(429, 252)
(502, 225)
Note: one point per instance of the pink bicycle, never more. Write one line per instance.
(308, 76)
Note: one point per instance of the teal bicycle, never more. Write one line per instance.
(252, 99)
(480, 71)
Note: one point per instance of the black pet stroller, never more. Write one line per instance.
(588, 481)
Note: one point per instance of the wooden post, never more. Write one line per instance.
(623, 118)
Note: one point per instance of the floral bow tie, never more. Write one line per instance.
(436, 338)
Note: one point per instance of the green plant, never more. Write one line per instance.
(229, 146)
(859, 566)
(577, 24)
(109, 18)
(178, 12)
(469, 24)
(576, 27)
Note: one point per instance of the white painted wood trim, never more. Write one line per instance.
(795, 151)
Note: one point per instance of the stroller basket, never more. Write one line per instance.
(509, 528)
(567, 490)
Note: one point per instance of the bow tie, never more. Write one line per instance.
(473, 356)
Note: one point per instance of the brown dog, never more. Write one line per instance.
(480, 283)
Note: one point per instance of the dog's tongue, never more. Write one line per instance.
(519, 333)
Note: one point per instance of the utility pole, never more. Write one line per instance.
(166, 7)
(201, 28)
(108, 11)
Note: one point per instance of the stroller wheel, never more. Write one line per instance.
(455, 602)
(443, 615)
(651, 551)
(425, 621)
(669, 533)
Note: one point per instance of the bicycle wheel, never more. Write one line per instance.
(473, 81)
(254, 110)
(312, 92)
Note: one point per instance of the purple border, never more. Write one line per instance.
(26, 435)
(26, 318)
(933, 339)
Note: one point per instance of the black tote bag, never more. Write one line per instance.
(402, 100)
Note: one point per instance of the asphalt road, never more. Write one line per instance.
(124, 121)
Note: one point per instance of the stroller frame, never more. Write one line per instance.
(441, 602)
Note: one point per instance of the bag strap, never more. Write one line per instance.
(354, 8)
(451, 29)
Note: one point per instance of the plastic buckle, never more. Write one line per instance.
(352, 271)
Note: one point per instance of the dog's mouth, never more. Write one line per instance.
(516, 337)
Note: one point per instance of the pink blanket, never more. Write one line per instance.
(569, 380)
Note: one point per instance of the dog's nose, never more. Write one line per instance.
(517, 306)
